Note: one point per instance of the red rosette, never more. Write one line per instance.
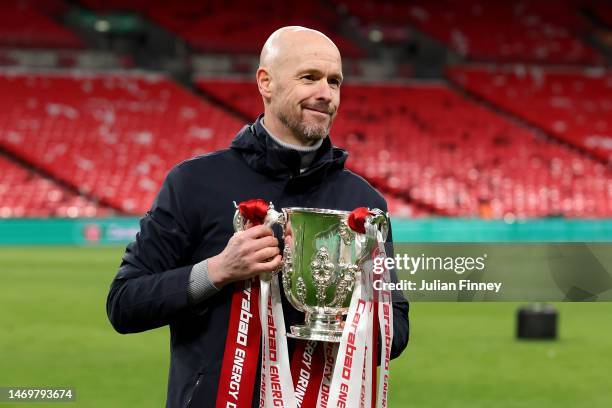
(356, 219)
(254, 210)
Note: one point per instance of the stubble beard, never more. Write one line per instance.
(308, 132)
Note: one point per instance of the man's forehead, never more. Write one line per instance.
(306, 57)
(315, 62)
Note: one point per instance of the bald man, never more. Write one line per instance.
(299, 78)
(186, 262)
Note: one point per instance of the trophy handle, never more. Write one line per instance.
(275, 217)
(239, 222)
(380, 220)
(272, 217)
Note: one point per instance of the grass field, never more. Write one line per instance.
(54, 332)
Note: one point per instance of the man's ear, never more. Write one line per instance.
(264, 83)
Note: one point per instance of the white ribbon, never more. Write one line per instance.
(385, 323)
(331, 351)
(276, 370)
(366, 387)
(346, 381)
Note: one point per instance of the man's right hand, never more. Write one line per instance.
(247, 254)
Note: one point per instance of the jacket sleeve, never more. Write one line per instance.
(400, 310)
(150, 288)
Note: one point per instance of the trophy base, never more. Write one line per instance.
(319, 327)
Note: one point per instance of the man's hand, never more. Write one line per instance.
(247, 254)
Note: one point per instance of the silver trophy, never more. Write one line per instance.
(322, 261)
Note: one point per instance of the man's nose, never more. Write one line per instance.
(324, 91)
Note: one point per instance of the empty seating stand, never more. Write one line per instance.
(574, 104)
(24, 193)
(112, 136)
(501, 31)
(25, 24)
(238, 27)
(431, 150)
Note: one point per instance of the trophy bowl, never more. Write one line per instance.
(322, 261)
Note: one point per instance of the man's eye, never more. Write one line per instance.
(308, 77)
(334, 82)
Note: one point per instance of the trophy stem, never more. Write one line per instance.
(319, 327)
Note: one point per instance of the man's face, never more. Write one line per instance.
(306, 94)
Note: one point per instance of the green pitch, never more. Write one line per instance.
(54, 333)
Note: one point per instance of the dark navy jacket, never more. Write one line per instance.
(191, 220)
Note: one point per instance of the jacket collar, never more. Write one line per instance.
(265, 156)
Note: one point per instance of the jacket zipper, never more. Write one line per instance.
(188, 405)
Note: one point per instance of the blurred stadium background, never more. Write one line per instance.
(478, 120)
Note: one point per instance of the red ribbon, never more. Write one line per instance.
(254, 210)
(307, 372)
(241, 355)
(356, 219)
